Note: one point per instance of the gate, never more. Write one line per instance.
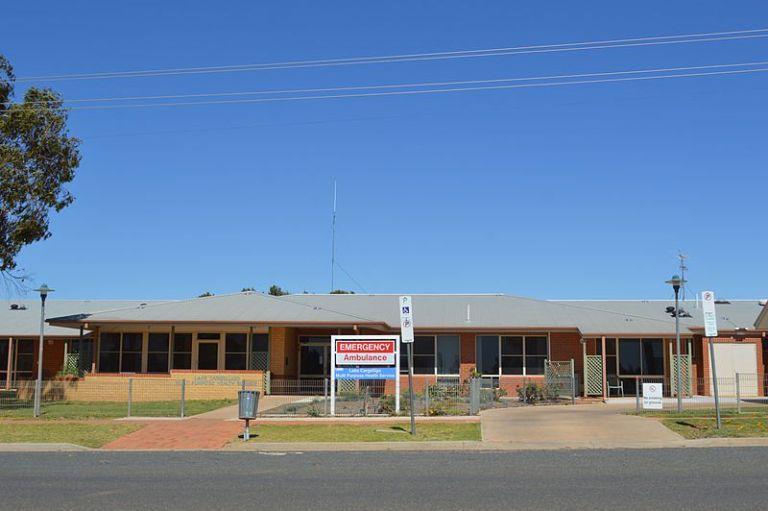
(560, 377)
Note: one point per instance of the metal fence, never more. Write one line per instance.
(112, 398)
(740, 393)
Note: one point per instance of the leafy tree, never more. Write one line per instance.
(342, 292)
(37, 158)
(276, 290)
(245, 289)
(203, 295)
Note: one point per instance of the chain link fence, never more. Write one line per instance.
(116, 398)
(743, 392)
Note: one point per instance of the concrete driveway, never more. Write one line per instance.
(580, 426)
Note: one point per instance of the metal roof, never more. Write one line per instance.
(437, 312)
(246, 307)
(731, 314)
(24, 321)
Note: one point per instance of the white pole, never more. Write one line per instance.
(39, 384)
(397, 375)
(333, 375)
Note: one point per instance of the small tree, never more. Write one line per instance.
(342, 292)
(203, 295)
(246, 289)
(276, 290)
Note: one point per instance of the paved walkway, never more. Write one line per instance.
(586, 426)
(182, 434)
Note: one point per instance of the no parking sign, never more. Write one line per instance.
(653, 396)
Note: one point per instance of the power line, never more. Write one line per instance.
(489, 52)
(405, 85)
(423, 91)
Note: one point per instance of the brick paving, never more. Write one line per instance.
(184, 434)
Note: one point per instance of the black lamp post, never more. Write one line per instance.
(676, 283)
(43, 290)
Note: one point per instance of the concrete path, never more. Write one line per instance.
(583, 426)
(265, 403)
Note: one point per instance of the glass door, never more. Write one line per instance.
(314, 361)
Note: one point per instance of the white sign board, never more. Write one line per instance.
(379, 354)
(652, 396)
(710, 317)
(406, 319)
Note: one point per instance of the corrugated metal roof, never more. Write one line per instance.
(247, 307)
(466, 312)
(735, 314)
(762, 320)
(25, 321)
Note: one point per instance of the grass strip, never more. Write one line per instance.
(87, 435)
(115, 409)
(365, 432)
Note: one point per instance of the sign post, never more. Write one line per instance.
(710, 332)
(406, 334)
(377, 354)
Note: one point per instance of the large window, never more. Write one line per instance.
(260, 352)
(109, 352)
(641, 357)
(235, 352)
(182, 351)
(432, 354)
(157, 356)
(25, 356)
(130, 358)
(511, 354)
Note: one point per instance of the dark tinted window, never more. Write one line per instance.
(236, 343)
(158, 342)
(209, 336)
(260, 342)
(110, 341)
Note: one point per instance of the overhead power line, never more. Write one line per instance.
(424, 91)
(410, 85)
(488, 52)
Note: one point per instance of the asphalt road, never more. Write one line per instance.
(732, 478)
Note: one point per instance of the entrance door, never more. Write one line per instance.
(208, 355)
(314, 361)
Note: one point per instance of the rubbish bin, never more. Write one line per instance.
(248, 401)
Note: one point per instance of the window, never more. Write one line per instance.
(109, 352)
(236, 348)
(260, 343)
(448, 347)
(423, 355)
(208, 336)
(157, 356)
(610, 355)
(488, 354)
(182, 351)
(511, 354)
(130, 358)
(4, 356)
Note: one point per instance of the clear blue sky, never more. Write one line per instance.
(584, 191)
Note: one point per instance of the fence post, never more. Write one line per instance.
(637, 394)
(738, 393)
(474, 396)
(183, 393)
(426, 399)
(325, 396)
(130, 395)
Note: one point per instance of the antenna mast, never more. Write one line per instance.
(683, 269)
(333, 238)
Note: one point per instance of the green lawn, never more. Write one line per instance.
(114, 410)
(88, 435)
(707, 413)
(364, 432)
(738, 427)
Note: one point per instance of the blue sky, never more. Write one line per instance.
(584, 191)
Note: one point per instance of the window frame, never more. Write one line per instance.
(523, 355)
(433, 355)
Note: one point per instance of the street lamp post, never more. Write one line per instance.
(43, 290)
(676, 283)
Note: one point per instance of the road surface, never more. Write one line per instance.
(718, 478)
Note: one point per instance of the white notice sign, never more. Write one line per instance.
(406, 319)
(710, 317)
(652, 396)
